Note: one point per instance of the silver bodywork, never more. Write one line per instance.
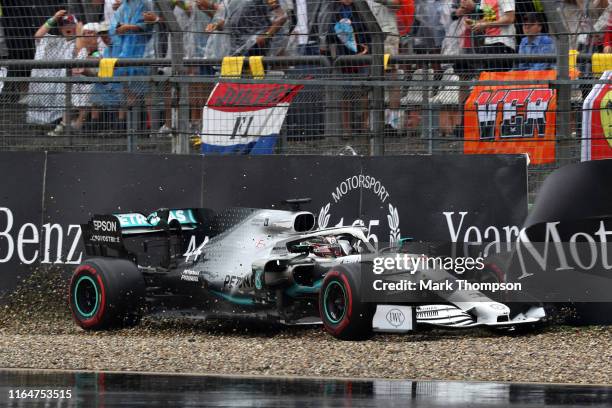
(254, 251)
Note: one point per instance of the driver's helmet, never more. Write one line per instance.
(346, 246)
(326, 247)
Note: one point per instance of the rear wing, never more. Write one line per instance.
(102, 236)
(137, 223)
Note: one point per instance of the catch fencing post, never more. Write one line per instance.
(132, 127)
(180, 142)
(333, 115)
(68, 107)
(377, 73)
(564, 89)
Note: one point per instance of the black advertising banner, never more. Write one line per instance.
(22, 240)
(45, 197)
(443, 198)
(267, 181)
(427, 198)
(447, 198)
(81, 185)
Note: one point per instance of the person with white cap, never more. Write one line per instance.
(87, 48)
(55, 39)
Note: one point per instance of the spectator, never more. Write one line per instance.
(385, 12)
(347, 34)
(87, 11)
(405, 21)
(106, 96)
(607, 43)
(194, 20)
(536, 43)
(497, 25)
(218, 44)
(3, 53)
(192, 17)
(583, 18)
(130, 37)
(458, 37)
(278, 43)
(298, 40)
(159, 45)
(105, 42)
(158, 34)
(603, 22)
(86, 48)
(3, 46)
(55, 39)
(191, 20)
(345, 29)
(130, 32)
(310, 26)
(253, 26)
(209, 7)
(20, 22)
(430, 26)
(110, 7)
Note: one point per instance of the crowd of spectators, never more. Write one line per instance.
(211, 29)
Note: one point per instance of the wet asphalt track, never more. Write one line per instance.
(157, 390)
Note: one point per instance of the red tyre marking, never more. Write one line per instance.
(349, 308)
(97, 318)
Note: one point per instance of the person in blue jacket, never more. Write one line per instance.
(535, 42)
(131, 36)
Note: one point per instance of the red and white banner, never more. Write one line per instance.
(245, 118)
(596, 122)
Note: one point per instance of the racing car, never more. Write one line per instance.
(261, 264)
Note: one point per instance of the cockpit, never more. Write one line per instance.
(331, 246)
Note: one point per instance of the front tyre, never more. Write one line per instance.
(106, 293)
(343, 313)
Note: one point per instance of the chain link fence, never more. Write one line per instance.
(372, 77)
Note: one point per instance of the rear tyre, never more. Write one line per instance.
(107, 293)
(343, 313)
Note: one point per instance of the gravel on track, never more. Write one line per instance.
(36, 331)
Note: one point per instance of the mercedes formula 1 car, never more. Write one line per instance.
(272, 265)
